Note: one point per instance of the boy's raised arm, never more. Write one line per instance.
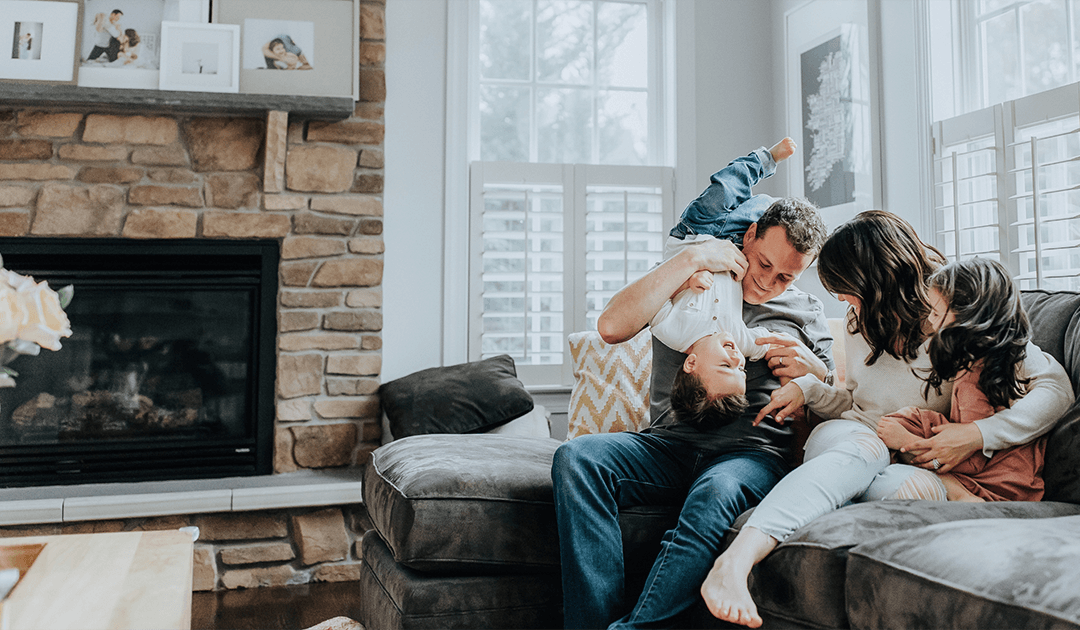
(634, 305)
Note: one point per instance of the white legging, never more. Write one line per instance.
(845, 461)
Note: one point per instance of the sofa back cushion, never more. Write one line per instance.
(1055, 326)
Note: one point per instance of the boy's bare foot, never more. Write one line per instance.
(894, 434)
(783, 150)
(728, 596)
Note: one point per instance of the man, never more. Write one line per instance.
(714, 470)
(107, 37)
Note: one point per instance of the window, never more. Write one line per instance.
(1007, 168)
(570, 192)
(567, 81)
(1019, 47)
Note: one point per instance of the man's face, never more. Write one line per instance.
(773, 264)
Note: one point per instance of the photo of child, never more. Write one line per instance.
(278, 45)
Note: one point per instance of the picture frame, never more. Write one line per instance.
(106, 56)
(38, 40)
(296, 47)
(831, 112)
(200, 57)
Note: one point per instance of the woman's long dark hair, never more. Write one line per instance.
(878, 258)
(991, 326)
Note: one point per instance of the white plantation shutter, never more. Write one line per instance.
(550, 245)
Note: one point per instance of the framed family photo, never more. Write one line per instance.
(200, 57)
(830, 111)
(296, 47)
(38, 40)
(121, 39)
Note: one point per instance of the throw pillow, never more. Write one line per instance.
(465, 398)
(611, 384)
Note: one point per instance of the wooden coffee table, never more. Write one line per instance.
(113, 580)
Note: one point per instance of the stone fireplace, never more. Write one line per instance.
(314, 187)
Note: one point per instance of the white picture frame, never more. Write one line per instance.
(101, 65)
(831, 112)
(38, 40)
(200, 57)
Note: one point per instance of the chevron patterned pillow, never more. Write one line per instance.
(611, 384)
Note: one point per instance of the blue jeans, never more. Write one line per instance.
(726, 208)
(596, 475)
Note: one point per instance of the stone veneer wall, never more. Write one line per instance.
(315, 186)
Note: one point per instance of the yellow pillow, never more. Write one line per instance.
(611, 384)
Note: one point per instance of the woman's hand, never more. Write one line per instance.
(790, 358)
(785, 402)
(953, 444)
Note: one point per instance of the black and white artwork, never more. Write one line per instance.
(828, 123)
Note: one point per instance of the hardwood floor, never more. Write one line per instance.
(273, 608)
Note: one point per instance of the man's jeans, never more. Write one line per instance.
(596, 475)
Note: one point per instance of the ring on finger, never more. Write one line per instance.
(781, 361)
(935, 463)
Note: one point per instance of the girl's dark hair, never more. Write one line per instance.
(991, 326)
(877, 258)
(690, 403)
(133, 37)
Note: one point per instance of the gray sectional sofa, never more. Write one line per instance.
(464, 537)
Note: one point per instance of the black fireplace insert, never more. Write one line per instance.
(168, 373)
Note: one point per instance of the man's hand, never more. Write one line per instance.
(790, 358)
(785, 402)
(953, 444)
(719, 256)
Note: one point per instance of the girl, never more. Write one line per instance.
(981, 342)
(879, 266)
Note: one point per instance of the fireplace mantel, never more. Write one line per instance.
(71, 97)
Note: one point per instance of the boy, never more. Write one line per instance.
(704, 317)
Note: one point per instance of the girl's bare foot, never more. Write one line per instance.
(783, 150)
(955, 491)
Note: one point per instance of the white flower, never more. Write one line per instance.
(46, 321)
(13, 313)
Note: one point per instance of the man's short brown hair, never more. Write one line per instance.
(800, 219)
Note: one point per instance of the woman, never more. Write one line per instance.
(877, 264)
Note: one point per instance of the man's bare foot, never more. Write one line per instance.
(783, 150)
(894, 434)
(727, 595)
(955, 491)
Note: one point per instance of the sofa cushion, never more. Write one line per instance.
(464, 398)
(396, 597)
(802, 580)
(611, 384)
(461, 502)
(484, 503)
(1055, 326)
(995, 573)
